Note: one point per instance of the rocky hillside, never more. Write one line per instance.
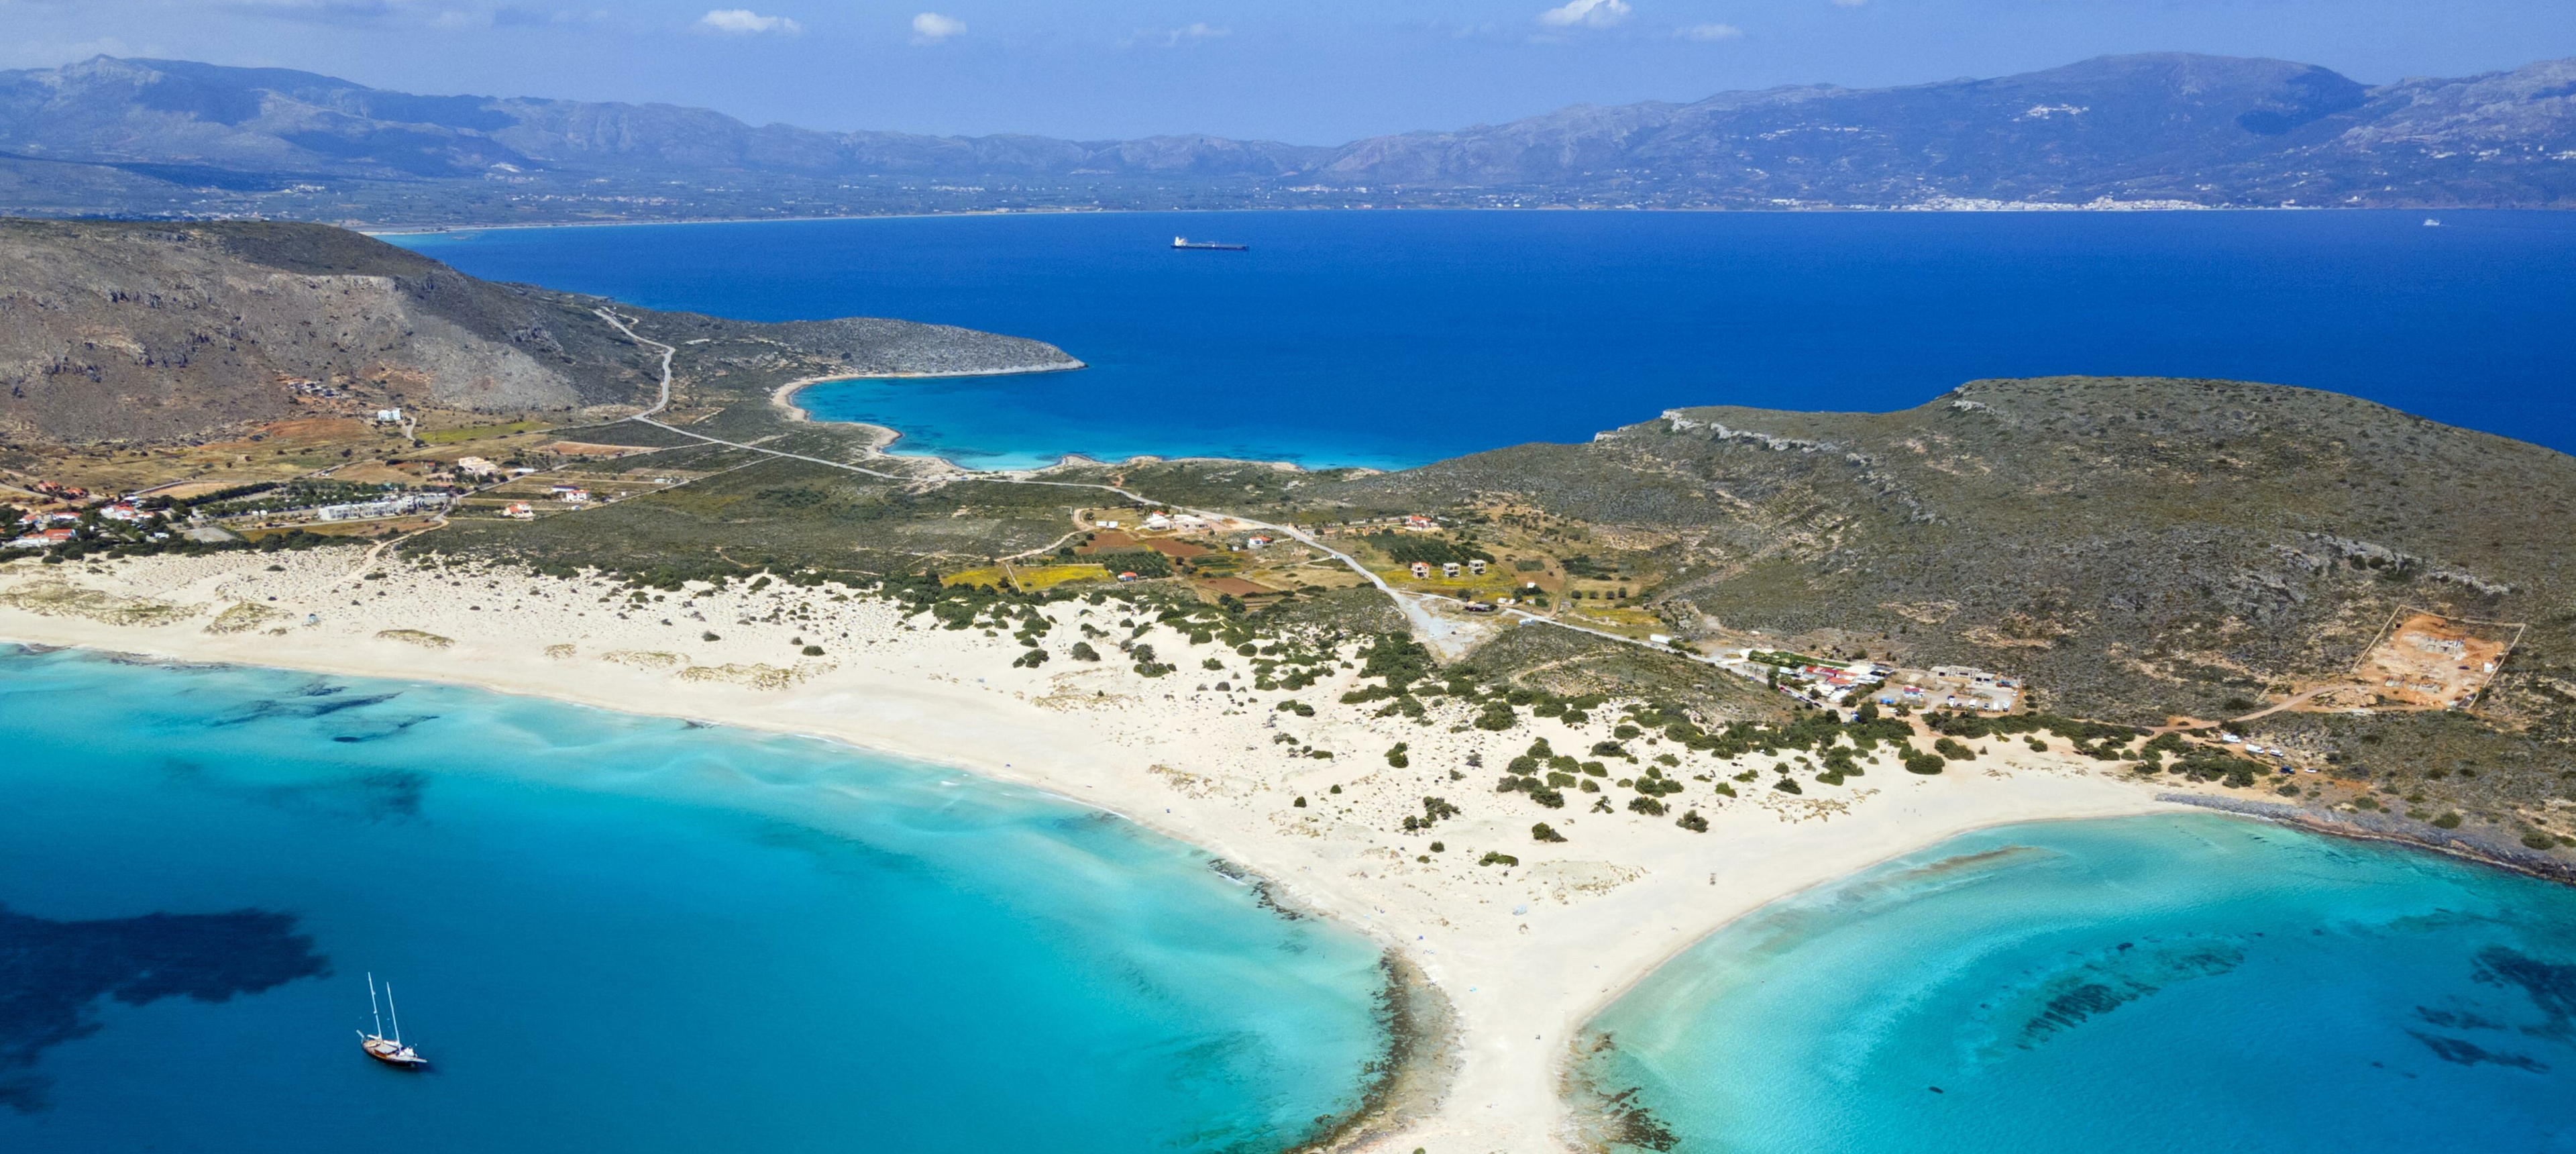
(126, 331)
(2138, 547)
(132, 137)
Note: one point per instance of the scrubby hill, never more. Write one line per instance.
(134, 331)
(2138, 547)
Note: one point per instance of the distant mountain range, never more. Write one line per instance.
(172, 138)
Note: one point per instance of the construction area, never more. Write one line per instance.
(2424, 660)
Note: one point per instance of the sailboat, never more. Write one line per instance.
(389, 1051)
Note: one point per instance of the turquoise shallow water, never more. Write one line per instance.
(609, 933)
(1396, 338)
(2151, 984)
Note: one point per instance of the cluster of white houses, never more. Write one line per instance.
(1422, 569)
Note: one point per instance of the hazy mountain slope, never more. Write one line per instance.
(2199, 128)
(173, 137)
(298, 123)
(152, 331)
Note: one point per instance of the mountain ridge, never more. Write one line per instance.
(158, 137)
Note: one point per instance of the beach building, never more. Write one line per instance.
(1476, 567)
(522, 511)
(1421, 570)
(124, 511)
(45, 539)
(1419, 525)
(1157, 521)
(1448, 568)
(476, 467)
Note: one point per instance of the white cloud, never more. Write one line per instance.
(1586, 13)
(1174, 37)
(1706, 32)
(745, 22)
(931, 28)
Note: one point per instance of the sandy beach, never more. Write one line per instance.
(1523, 955)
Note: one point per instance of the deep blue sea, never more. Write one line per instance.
(2155, 985)
(1395, 338)
(609, 933)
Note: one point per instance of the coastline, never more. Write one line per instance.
(1533, 950)
(385, 230)
(882, 438)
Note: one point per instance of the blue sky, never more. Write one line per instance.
(1308, 71)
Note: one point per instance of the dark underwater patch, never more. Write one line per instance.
(394, 728)
(2461, 1051)
(316, 701)
(2087, 986)
(2456, 1019)
(2550, 986)
(52, 974)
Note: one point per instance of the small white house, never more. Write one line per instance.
(389, 416)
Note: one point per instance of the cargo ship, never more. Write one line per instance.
(1185, 242)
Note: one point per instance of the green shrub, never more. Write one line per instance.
(2537, 840)
(1496, 857)
(1395, 757)
(1646, 805)
(1544, 832)
(2447, 821)
(1925, 763)
(1082, 651)
(1692, 821)
(812, 651)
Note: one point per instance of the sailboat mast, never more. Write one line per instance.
(389, 1007)
(371, 1004)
